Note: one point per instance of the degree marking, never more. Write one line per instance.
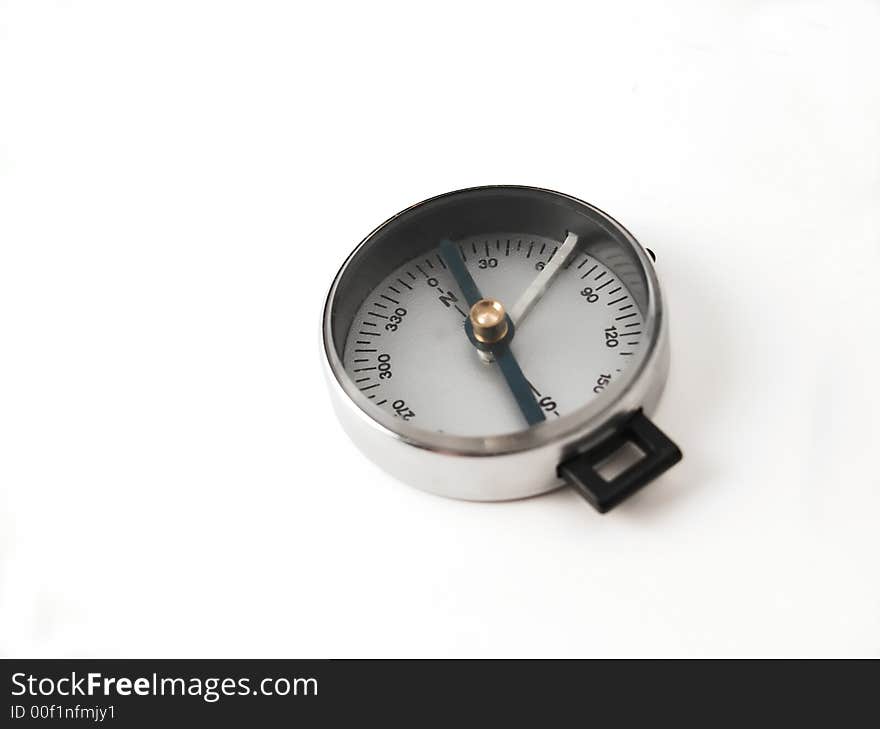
(590, 271)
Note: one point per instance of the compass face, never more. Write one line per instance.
(491, 312)
(409, 352)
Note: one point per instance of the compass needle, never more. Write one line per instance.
(532, 295)
(449, 389)
(488, 324)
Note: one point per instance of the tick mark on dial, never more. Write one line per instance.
(590, 271)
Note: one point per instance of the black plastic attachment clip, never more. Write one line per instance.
(658, 454)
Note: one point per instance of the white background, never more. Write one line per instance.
(179, 183)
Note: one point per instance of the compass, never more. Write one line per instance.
(500, 342)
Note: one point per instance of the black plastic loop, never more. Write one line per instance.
(660, 454)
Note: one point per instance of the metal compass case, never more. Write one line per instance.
(498, 342)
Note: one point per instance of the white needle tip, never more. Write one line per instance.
(539, 285)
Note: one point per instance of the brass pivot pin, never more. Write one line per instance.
(489, 321)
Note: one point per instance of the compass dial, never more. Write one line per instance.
(409, 352)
